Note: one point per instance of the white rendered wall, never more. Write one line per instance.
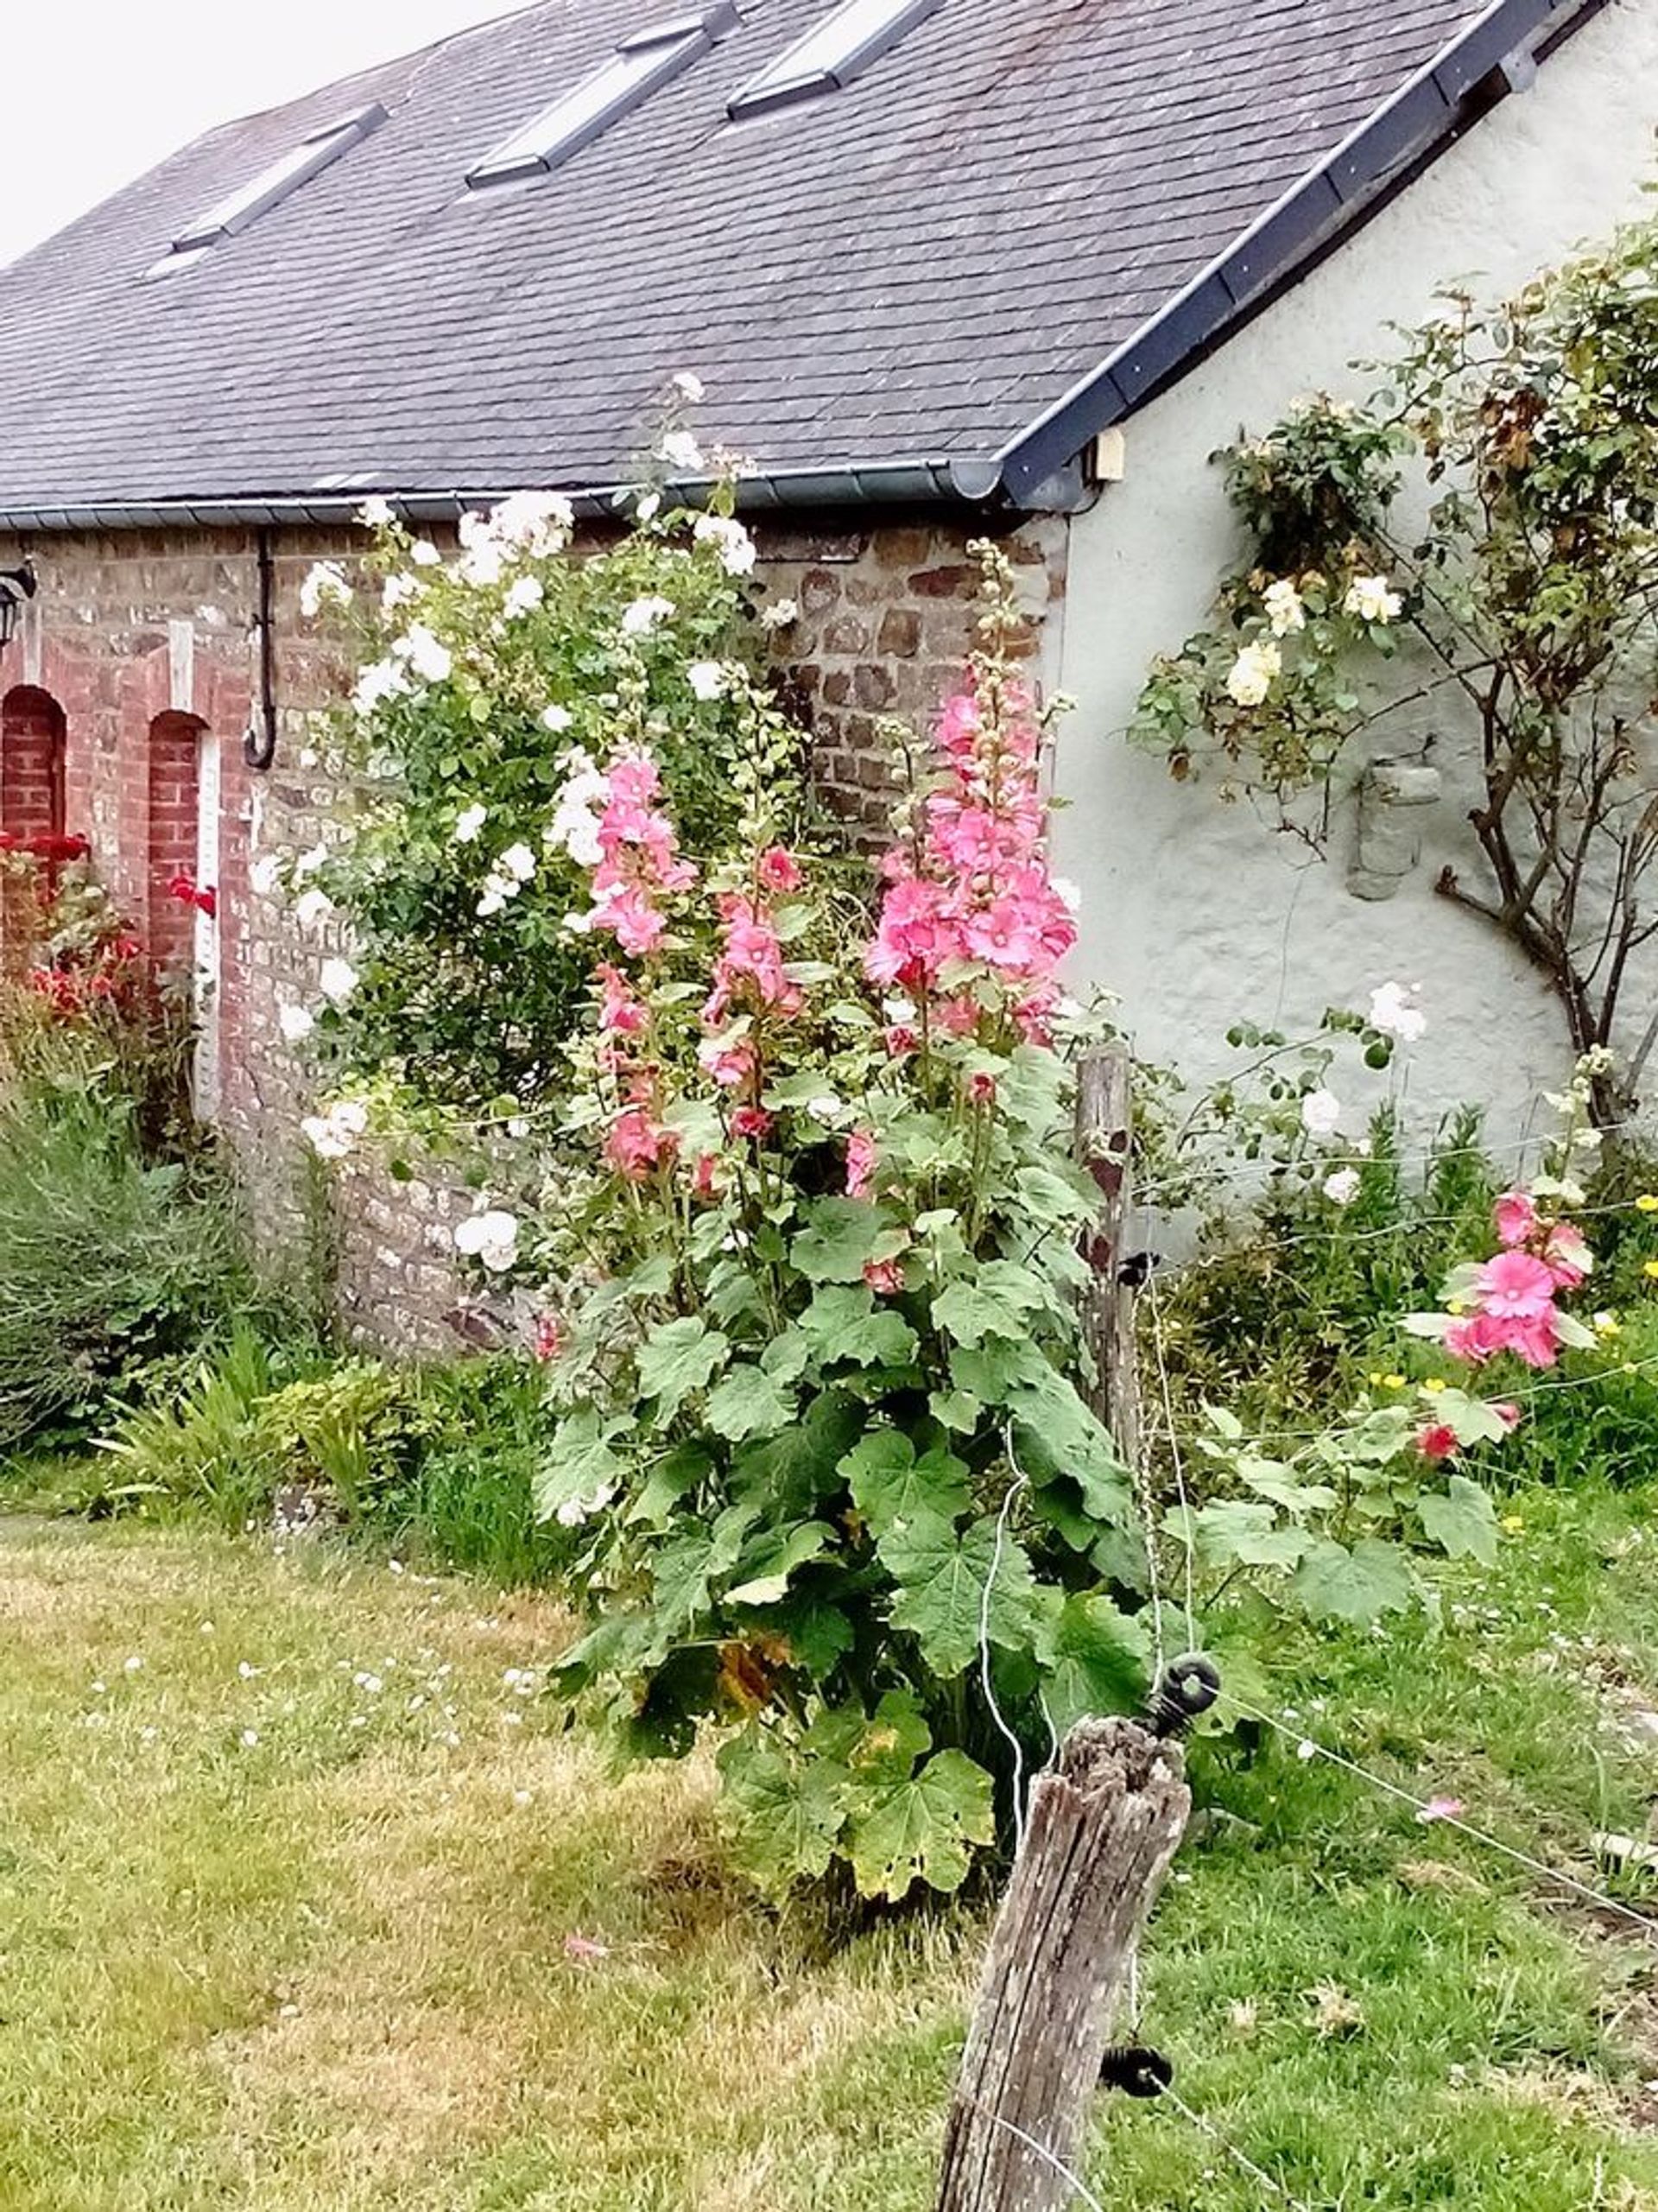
(1193, 912)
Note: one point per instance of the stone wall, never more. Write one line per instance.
(147, 643)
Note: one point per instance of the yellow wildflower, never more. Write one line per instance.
(1647, 1202)
(1607, 1324)
(1457, 1305)
(1651, 1269)
(1435, 1384)
(1514, 1523)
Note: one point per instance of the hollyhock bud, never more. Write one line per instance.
(884, 1277)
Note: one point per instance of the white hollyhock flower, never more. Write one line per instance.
(1393, 1010)
(556, 719)
(1372, 599)
(642, 616)
(525, 595)
(826, 1109)
(1342, 1188)
(779, 614)
(428, 656)
(469, 821)
(1252, 673)
(1320, 1114)
(681, 450)
(736, 549)
(312, 906)
(1285, 612)
(575, 1511)
(336, 979)
(706, 678)
(325, 586)
(491, 1237)
(295, 1023)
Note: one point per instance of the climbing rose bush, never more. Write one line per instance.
(810, 1328)
(490, 682)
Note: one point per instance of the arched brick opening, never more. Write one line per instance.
(173, 833)
(32, 735)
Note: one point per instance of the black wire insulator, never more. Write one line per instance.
(1136, 2070)
(1188, 1687)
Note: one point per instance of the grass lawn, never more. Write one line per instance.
(306, 1907)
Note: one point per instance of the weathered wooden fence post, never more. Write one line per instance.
(1104, 1826)
(1104, 1138)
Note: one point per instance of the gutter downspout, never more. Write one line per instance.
(259, 739)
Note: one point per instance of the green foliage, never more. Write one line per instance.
(107, 1262)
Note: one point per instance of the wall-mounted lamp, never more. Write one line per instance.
(16, 584)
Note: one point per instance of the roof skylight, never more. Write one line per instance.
(830, 55)
(641, 65)
(308, 159)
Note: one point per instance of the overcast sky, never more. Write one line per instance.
(99, 91)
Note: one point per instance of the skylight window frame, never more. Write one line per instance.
(279, 180)
(640, 66)
(795, 75)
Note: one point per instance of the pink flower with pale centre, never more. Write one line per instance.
(620, 1010)
(637, 1144)
(1567, 1255)
(1515, 1286)
(730, 1063)
(884, 1277)
(778, 870)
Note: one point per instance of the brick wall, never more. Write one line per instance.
(142, 640)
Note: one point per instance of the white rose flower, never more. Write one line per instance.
(539, 521)
(295, 1023)
(325, 586)
(575, 1511)
(491, 1237)
(265, 875)
(309, 862)
(1285, 612)
(469, 821)
(518, 861)
(1320, 1114)
(690, 387)
(1252, 673)
(640, 618)
(1342, 1188)
(681, 450)
(482, 565)
(376, 513)
(736, 549)
(525, 595)
(428, 656)
(312, 906)
(650, 507)
(334, 1134)
(706, 678)
(1372, 599)
(425, 554)
(1393, 1010)
(556, 719)
(336, 979)
(398, 590)
(779, 614)
(380, 681)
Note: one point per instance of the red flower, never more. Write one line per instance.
(206, 901)
(548, 1339)
(1437, 1441)
(751, 1121)
(981, 1090)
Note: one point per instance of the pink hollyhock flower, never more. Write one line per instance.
(1437, 1441)
(1535, 1338)
(884, 1277)
(627, 912)
(703, 1184)
(547, 1341)
(860, 1163)
(620, 1011)
(1475, 1339)
(1006, 933)
(1566, 1256)
(637, 1145)
(980, 1089)
(751, 952)
(1516, 1217)
(730, 1064)
(899, 1040)
(915, 936)
(779, 870)
(1515, 1286)
(958, 727)
(751, 1121)
(957, 1016)
(1034, 1014)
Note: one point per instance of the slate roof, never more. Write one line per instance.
(916, 267)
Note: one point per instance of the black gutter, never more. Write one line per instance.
(1464, 81)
